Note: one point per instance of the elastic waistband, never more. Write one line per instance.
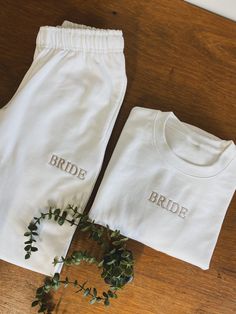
(69, 24)
(82, 37)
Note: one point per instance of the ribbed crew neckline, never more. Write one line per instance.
(197, 135)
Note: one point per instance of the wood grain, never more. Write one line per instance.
(178, 58)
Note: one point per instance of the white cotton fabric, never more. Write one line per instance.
(168, 185)
(64, 108)
(226, 8)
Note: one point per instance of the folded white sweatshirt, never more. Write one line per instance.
(168, 185)
(54, 133)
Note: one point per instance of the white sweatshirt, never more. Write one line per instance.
(168, 185)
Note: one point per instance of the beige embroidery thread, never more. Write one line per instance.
(164, 202)
(68, 167)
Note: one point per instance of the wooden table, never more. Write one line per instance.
(179, 58)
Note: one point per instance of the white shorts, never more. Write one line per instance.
(54, 133)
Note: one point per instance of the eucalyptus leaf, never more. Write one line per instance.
(95, 292)
(27, 234)
(27, 248)
(106, 302)
(27, 256)
(34, 303)
(86, 292)
(92, 301)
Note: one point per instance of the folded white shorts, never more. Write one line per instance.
(54, 133)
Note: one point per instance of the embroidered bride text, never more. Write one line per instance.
(164, 202)
(67, 166)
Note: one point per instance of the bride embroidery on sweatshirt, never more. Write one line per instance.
(164, 202)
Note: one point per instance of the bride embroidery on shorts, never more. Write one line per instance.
(68, 167)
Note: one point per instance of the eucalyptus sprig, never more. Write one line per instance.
(116, 265)
(54, 283)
